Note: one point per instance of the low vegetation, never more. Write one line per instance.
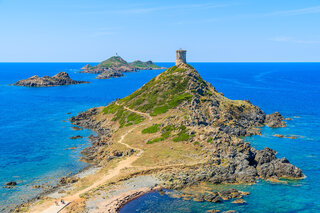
(152, 129)
(123, 116)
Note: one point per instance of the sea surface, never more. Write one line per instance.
(34, 129)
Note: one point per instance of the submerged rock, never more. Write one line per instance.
(62, 78)
(76, 137)
(10, 184)
(239, 201)
(283, 136)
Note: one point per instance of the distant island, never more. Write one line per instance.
(62, 78)
(115, 66)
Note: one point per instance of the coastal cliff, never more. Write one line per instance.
(188, 112)
(62, 78)
(114, 66)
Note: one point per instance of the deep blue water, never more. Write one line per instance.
(33, 138)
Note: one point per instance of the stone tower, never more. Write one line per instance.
(181, 57)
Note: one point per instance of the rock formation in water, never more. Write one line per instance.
(115, 66)
(62, 78)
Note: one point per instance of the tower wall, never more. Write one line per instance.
(181, 57)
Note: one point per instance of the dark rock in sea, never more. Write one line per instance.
(62, 78)
(110, 73)
(239, 201)
(198, 198)
(76, 128)
(11, 183)
(212, 211)
(213, 197)
(283, 136)
(229, 194)
(275, 120)
(76, 137)
(71, 148)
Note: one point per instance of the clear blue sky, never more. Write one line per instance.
(214, 31)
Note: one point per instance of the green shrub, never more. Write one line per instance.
(111, 108)
(159, 110)
(152, 129)
(182, 136)
(196, 143)
(210, 140)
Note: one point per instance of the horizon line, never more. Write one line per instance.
(166, 62)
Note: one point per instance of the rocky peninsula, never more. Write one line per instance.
(62, 78)
(181, 131)
(115, 66)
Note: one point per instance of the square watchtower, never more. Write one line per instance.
(181, 57)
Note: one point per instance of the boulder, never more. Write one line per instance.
(275, 120)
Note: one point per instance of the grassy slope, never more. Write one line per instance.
(144, 65)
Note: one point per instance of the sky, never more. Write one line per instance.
(210, 30)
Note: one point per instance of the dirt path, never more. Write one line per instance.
(112, 173)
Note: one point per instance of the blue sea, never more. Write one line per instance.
(34, 129)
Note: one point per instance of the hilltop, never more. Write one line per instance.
(62, 78)
(115, 66)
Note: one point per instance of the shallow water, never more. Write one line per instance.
(33, 138)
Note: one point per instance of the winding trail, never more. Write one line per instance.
(112, 173)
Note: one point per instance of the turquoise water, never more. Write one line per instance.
(33, 138)
(290, 88)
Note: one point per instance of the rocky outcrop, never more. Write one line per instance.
(88, 66)
(110, 73)
(283, 136)
(10, 184)
(62, 78)
(243, 166)
(76, 137)
(68, 180)
(275, 120)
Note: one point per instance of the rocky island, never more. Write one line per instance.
(175, 132)
(115, 66)
(62, 78)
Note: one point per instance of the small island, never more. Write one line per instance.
(62, 78)
(115, 66)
